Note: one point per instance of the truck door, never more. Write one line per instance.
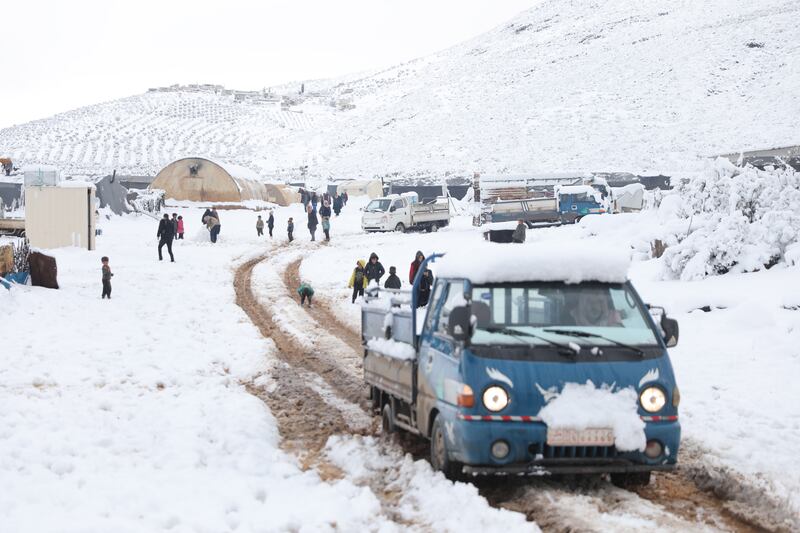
(399, 212)
(439, 354)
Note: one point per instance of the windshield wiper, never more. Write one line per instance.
(563, 349)
(586, 334)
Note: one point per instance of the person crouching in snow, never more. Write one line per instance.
(392, 282)
(306, 292)
(358, 280)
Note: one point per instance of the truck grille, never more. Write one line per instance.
(572, 452)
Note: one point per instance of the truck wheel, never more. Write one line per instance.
(439, 457)
(400, 227)
(387, 421)
(630, 480)
(433, 228)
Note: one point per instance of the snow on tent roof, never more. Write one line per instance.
(567, 262)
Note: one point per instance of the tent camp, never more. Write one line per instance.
(201, 180)
(371, 188)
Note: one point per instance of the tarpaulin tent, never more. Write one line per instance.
(201, 180)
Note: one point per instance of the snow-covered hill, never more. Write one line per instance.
(581, 85)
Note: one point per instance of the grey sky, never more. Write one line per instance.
(61, 55)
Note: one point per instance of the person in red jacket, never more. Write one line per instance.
(418, 259)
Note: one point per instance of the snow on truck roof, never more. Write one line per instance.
(500, 263)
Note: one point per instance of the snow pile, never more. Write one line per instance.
(551, 261)
(586, 406)
(738, 219)
(392, 348)
(425, 493)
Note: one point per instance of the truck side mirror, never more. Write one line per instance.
(458, 324)
(392, 209)
(671, 331)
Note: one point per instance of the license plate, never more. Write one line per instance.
(580, 437)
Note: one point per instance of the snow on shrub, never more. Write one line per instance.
(584, 406)
(738, 219)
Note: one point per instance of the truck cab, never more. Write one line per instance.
(577, 201)
(499, 371)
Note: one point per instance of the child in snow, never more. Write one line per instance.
(392, 282)
(180, 227)
(290, 228)
(358, 281)
(259, 226)
(305, 291)
(106, 278)
(326, 227)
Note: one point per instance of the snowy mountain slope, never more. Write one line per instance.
(627, 86)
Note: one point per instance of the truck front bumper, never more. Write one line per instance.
(470, 444)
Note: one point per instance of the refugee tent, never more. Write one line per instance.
(200, 180)
(628, 198)
(112, 194)
(371, 188)
(280, 194)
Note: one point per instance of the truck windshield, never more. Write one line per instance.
(609, 313)
(379, 205)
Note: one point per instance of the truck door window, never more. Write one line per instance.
(398, 204)
(433, 303)
(454, 298)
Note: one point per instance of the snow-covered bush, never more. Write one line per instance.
(737, 219)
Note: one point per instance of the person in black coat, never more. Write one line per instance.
(325, 210)
(374, 269)
(270, 223)
(166, 232)
(392, 282)
(337, 204)
(425, 287)
(313, 222)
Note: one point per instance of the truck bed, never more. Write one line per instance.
(421, 213)
(395, 376)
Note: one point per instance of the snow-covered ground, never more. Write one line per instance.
(611, 86)
(131, 414)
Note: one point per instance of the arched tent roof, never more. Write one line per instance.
(371, 188)
(202, 180)
(282, 195)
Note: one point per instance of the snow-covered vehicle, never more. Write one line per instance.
(568, 205)
(522, 365)
(403, 213)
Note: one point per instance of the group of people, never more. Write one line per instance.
(335, 201)
(169, 229)
(372, 271)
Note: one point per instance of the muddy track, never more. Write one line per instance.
(305, 430)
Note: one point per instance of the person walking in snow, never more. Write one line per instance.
(306, 292)
(270, 223)
(374, 269)
(290, 228)
(325, 209)
(259, 227)
(392, 282)
(337, 204)
(358, 280)
(313, 222)
(180, 227)
(519, 233)
(412, 272)
(345, 198)
(326, 227)
(107, 274)
(165, 235)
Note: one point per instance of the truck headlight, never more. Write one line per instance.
(652, 399)
(495, 398)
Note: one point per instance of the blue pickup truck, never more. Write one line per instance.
(473, 369)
